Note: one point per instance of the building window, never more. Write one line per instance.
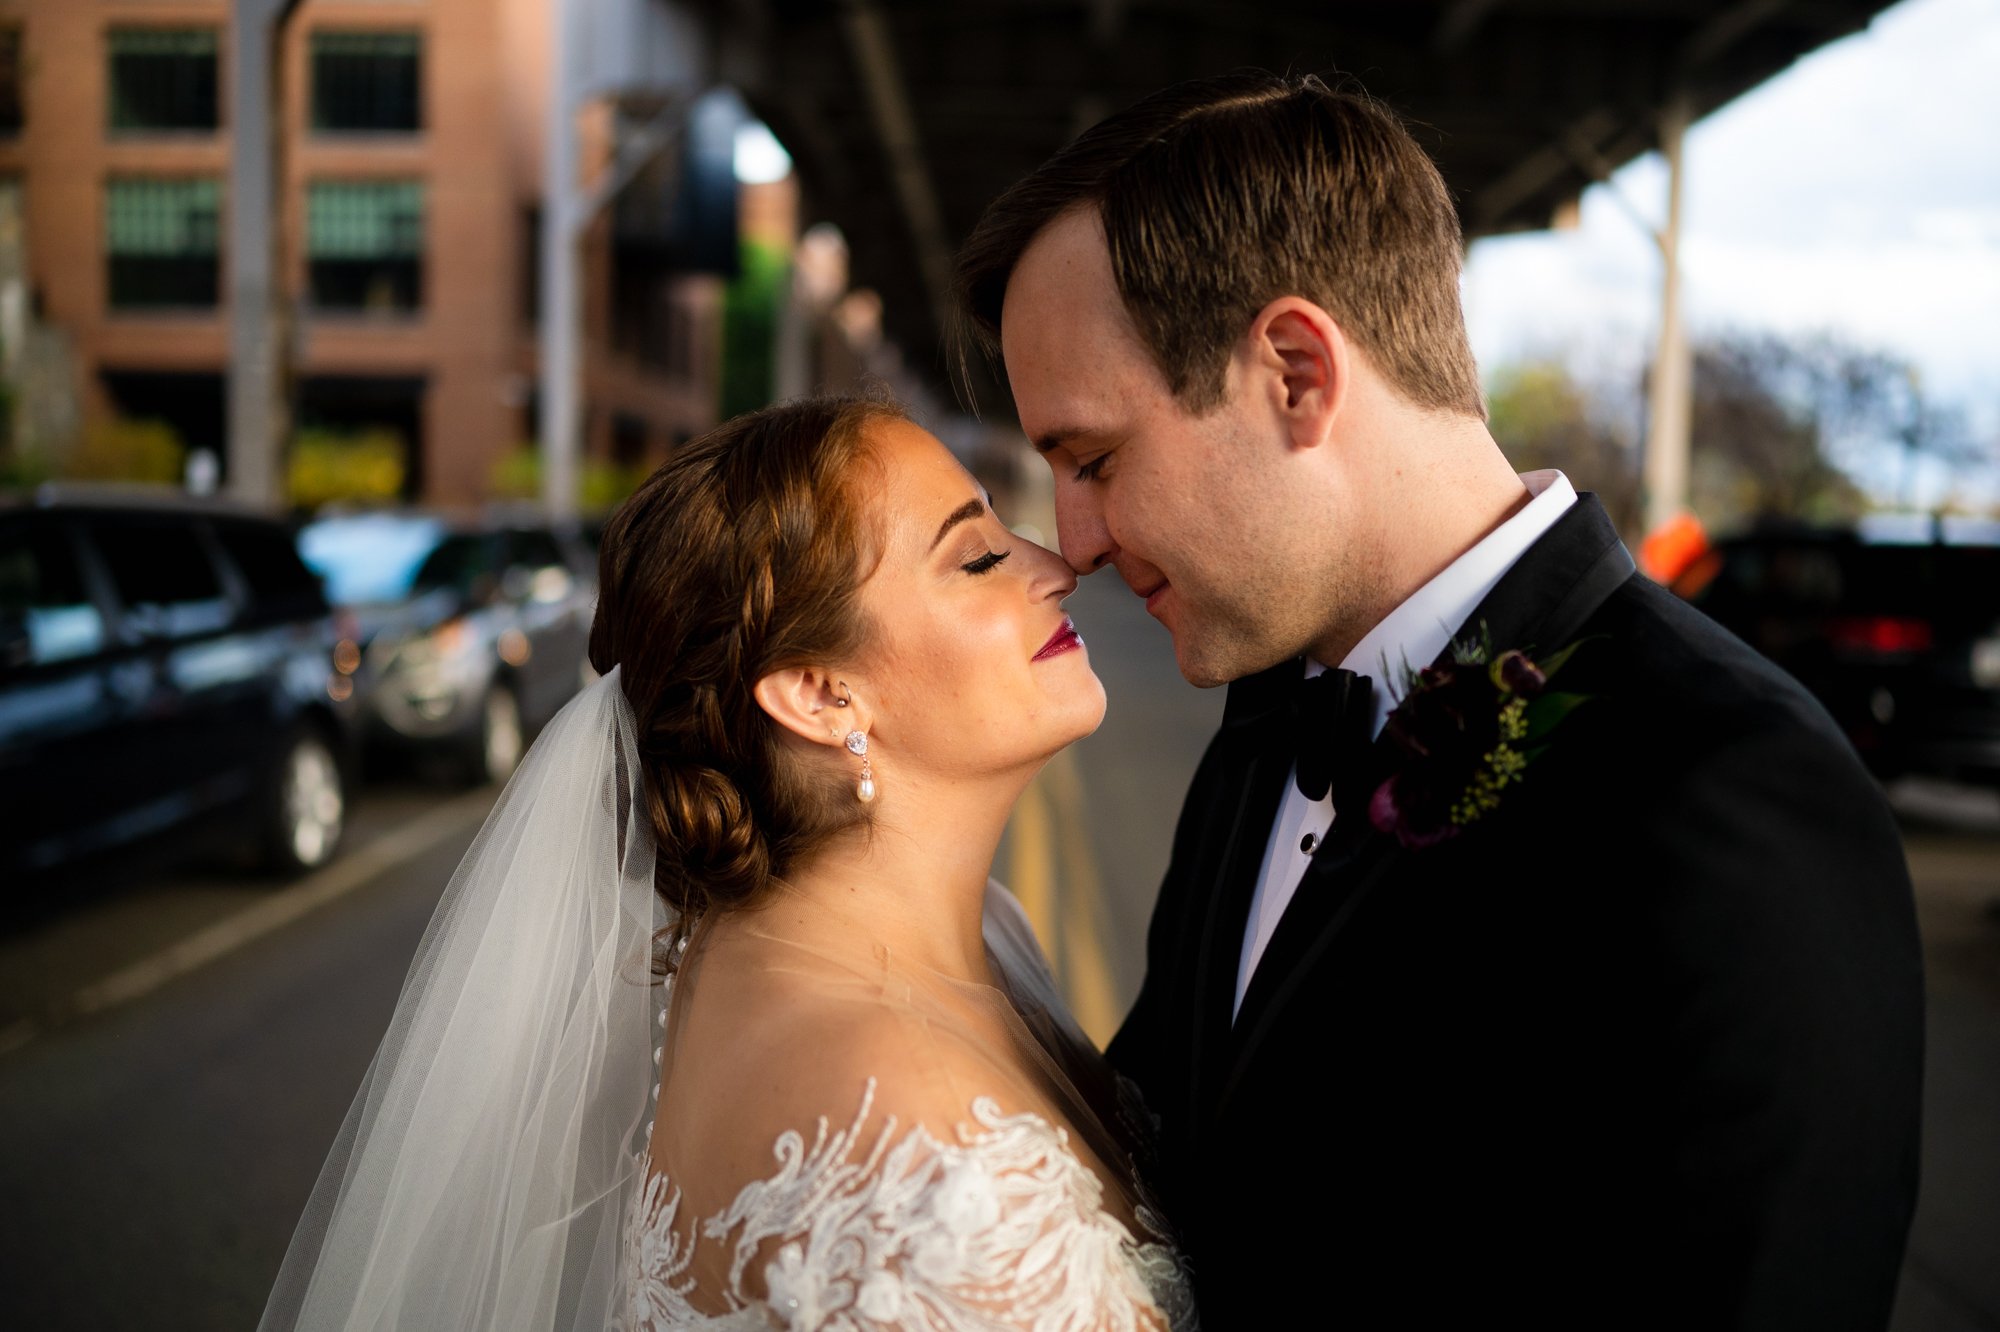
(162, 240)
(163, 79)
(531, 266)
(365, 244)
(367, 82)
(10, 81)
(628, 440)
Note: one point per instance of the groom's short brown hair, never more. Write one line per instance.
(1221, 195)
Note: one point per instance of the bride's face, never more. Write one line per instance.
(969, 670)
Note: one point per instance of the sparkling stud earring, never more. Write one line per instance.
(857, 743)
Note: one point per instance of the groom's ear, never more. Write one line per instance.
(806, 701)
(1303, 360)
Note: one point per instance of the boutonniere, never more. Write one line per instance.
(1467, 731)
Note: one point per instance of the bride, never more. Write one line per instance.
(720, 1023)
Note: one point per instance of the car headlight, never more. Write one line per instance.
(1986, 662)
(449, 640)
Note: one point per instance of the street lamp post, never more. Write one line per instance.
(561, 329)
(1670, 409)
(258, 328)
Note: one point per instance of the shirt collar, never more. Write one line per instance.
(1419, 629)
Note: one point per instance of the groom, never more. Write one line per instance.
(1575, 982)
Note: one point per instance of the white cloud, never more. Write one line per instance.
(1858, 192)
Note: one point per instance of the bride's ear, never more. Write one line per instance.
(810, 703)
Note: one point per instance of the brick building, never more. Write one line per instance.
(411, 142)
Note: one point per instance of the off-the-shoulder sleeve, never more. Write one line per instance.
(884, 1226)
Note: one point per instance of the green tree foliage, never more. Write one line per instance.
(750, 307)
(20, 466)
(1766, 413)
(1543, 417)
(601, 485)
(127, 450)
(325, 465)
(1781, 429)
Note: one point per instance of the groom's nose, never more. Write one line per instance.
(1080, 529)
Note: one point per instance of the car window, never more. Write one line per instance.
(535, 550)
(369, 559)
(461, 562)
(163, 576)
(1941, 583)
(281, 586)
(45, 613)
(1944, 583)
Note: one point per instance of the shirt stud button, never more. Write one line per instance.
(1308, 843)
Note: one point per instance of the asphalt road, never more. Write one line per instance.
(155, 1149)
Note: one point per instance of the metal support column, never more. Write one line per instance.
(259, 330)
(1670, 409)
(562, 318)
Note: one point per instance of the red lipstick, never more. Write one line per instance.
(1062, 640)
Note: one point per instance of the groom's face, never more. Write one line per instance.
(1187, 508)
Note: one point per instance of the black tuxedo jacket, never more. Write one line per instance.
(1641, 1049)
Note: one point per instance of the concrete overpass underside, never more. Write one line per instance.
(906, 117)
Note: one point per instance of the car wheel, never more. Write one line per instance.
(308, 809)
(499, 743)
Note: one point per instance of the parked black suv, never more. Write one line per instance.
(166, 667)
(1900, 639)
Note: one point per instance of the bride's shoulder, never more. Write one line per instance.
(814, 1063)
(782, 1039)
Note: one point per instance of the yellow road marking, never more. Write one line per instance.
(1086, 971)
(356, 868)
(1031, 869)
(1054, 873)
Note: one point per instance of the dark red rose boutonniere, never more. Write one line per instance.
(1467, 731)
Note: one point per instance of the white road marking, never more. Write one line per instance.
(343, 876)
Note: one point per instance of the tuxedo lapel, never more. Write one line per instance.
(1541, 603)
(1213, 933)
(1558, 584)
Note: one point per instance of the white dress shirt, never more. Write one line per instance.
(1415, 632)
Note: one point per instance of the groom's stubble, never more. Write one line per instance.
(1275, 570)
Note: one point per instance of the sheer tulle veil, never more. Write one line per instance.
(483, 1173)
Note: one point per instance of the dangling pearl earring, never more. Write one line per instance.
(857, 743)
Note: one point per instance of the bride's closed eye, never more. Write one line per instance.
(986, 563)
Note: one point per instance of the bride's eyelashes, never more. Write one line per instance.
(987, 563)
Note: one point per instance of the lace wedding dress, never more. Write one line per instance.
(899, 1216)
(834, 1137)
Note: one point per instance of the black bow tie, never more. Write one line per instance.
(1335, 716)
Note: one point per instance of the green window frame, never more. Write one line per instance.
(162, 80)
(365, 244)
(367, 82)
(163, 242)
(12, 118)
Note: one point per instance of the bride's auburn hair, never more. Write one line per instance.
(743, 554)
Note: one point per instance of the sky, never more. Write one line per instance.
(1856, 193)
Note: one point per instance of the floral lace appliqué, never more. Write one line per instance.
(1003, 1229)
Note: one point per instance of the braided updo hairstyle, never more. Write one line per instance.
(742, 555)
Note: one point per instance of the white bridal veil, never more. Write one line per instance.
(483, 1173)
